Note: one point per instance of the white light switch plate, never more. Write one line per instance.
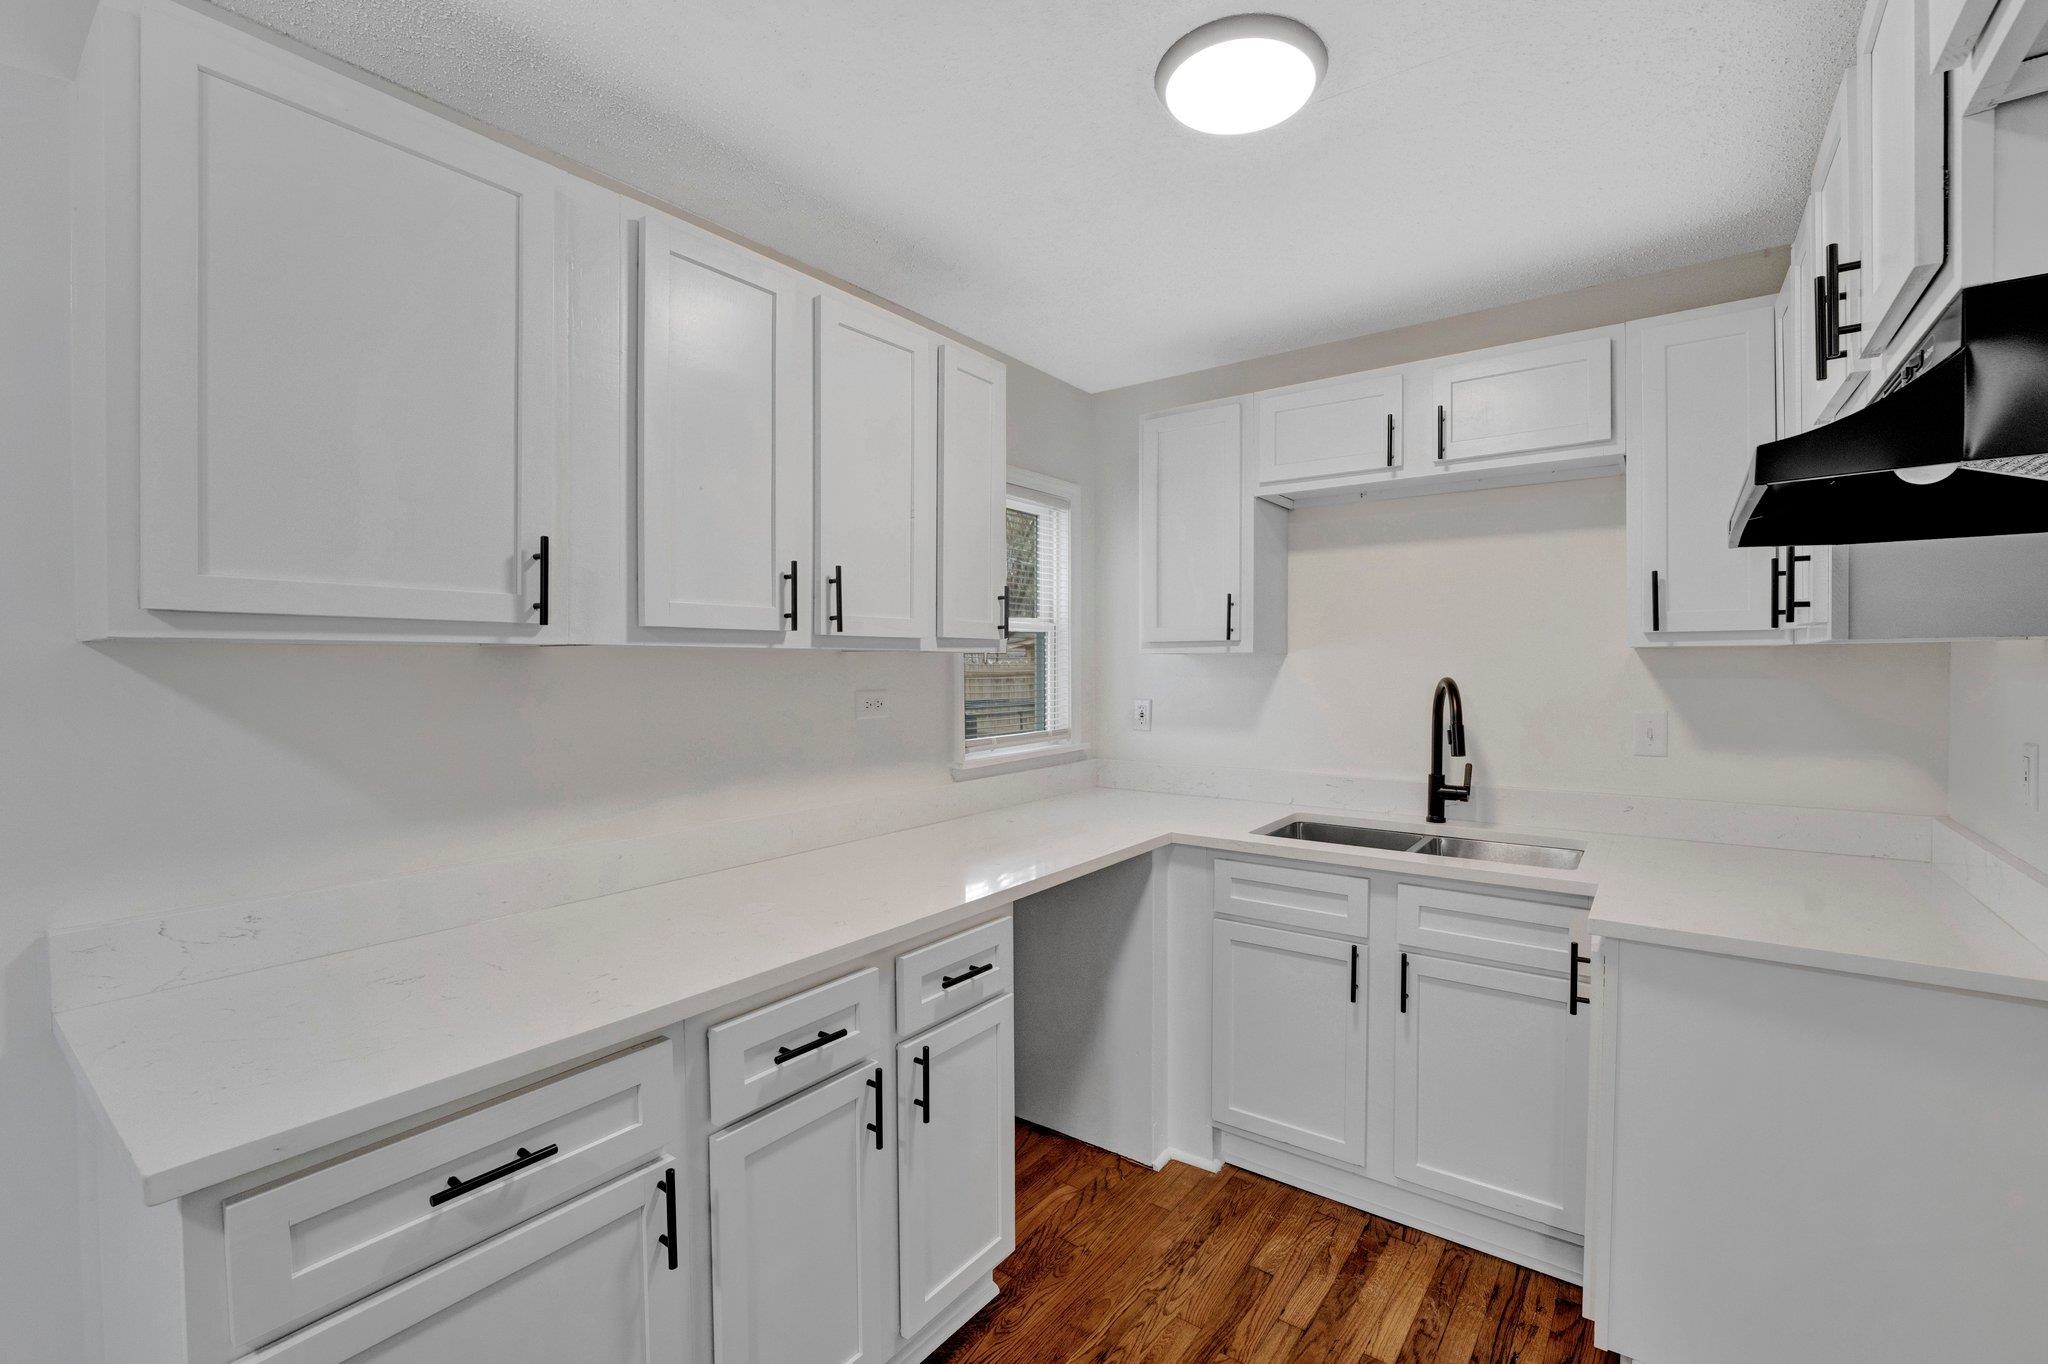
(2027, 781)
(1141, 714)
(1650, 733)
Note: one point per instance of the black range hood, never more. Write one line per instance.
(1969, 409)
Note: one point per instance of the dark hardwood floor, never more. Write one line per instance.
(1117, 1262)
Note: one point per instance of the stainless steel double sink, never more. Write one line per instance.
(1430, 845)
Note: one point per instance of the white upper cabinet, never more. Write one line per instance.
(877, 427)
(1952, 29)
(1704, 395)
(2008, 55)
(347, 339)
(1190, 499)
(1903, 140)
(1836, 218)
(725, 439)
(973, 476)
(1345, 428)
(1490, 1088)
(1545, 397)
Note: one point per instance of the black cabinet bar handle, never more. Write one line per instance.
(1777, 611)
(923, 1062)
(1354, 973)
(978, 969)
(668, 1187)
(823, 1039)
(1404, 982)
(1837, 267)
(457, 1187)
(789, 616)
(1440, 422)
(835, 588)
(1822, 348)
(1571, 987)
(1229, 615)
(540, 604)
(1656, 603)
(1003, 600)
(1793, 603)
(1390, 440)
(876, 1126)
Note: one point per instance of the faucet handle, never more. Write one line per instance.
(1463, 790)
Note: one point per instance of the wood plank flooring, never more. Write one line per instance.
(1117, 1262)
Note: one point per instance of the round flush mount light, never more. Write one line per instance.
(1924, 474)
(1241, 74)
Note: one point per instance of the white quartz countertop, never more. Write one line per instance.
(225, 1077)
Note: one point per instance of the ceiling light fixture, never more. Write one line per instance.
(1241, 74)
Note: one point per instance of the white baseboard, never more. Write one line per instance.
(1172, 1154)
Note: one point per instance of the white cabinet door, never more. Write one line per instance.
(1490, 1088)
(1903, 137)
(347, 347)
(589, 1281)
(877, 472)
(1190, 472)
(1704, 396)
(973, 480)
(1289, 1046)
(1837, 226)
(725, 435)
(802, 1241)
(1525, 400)
(1348, 426)
(956, 1159)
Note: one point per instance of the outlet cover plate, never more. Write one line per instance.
(1141, 714)
(871, 705)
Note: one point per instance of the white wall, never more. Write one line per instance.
(1519, 594)
(1999, 701)
(142, 777)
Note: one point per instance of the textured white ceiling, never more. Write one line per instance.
(1004, 168)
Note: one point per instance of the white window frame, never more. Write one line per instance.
(1043, 747)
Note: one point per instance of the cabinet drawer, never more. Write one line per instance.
(1293, 897)
(1465, 923)
(847, 1014)
(951, 977)
(299, 1249)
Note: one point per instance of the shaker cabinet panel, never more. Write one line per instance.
(1490, 1089)
(973, 482)
(1190, 471)
(347, 346)
(725, 436)
(1836, 225)
(877, 472)
(956, 1157)
(1523, 400)
(589, 1281)
(801, 1230)
(1289, 1038)
(1905, 163)
(1348, 426)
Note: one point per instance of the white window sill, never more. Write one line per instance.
(995, 761)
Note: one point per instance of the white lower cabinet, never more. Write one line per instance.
(1289, 1052)
(955, 1159)
(590, 1281)
(800, 1229)
(1490, 1088)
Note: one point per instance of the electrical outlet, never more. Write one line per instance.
(871, 705)
(1141, 714)
(1650, 735)
(2027, 783)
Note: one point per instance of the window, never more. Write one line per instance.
(1018, 696)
